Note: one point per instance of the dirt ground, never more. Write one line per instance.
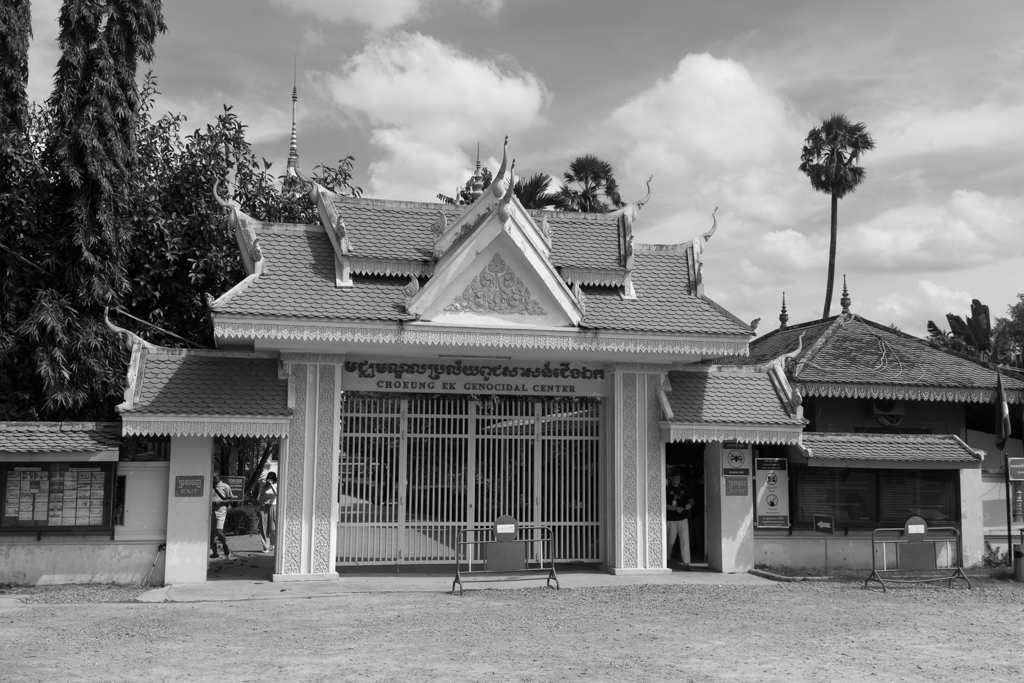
(781, 632)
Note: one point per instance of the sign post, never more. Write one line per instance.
(825, 524)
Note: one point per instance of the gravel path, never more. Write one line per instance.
(792, 631)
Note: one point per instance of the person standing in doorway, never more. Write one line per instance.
(268, 512)
(678, 503)
(220, 497)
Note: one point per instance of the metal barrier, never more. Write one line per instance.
(503, 549)
(915, 547)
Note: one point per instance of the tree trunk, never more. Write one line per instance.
(831, 258)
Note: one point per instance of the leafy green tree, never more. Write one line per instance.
(15, 32)
(178, 247)
(533, 192)
(182, 248)
(590, 186)
(72, 205)
(829, 158)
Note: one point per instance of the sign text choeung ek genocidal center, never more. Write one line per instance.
(484, 377)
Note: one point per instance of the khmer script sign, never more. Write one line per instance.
(475, 377)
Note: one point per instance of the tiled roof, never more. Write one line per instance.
(59, 437)
(848, 350)
(298, 281)
(663, 302)
(862, 352)
(391, 230)
(401, 230)
(583, 240)
(767, 348)
(726, 398)
(176, 382)
(889, 447)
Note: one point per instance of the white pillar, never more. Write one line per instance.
(730, 518)
(308, 478)
(188, 517)
(635, 473)
(972, 519)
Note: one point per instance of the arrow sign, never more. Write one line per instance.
(824, 524)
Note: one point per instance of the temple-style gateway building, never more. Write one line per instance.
(430, 366)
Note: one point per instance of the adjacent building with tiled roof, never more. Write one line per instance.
(59, 437)
(895, 427)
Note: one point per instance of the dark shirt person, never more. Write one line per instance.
(678, 503)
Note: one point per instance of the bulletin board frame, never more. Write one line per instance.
(57, 497)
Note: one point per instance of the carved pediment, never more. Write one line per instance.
(497, 289)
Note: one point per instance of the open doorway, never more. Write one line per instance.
(687, 458)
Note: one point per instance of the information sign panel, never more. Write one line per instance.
(824, 524)
(188, 486)
(771, 477)
(1015, 466)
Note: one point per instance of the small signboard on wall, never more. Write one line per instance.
(470, 376)
(1015, 468)
(188, 486)
(771, 476)
(736, 459)
(737, 486)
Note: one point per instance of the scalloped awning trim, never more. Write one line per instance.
(214, 426)
(576, 341)
(704, 433)
(390, 267)
(594, 276)
(906, 393)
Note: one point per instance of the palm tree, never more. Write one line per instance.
(829, 158)
(533, 192)
(589, 186)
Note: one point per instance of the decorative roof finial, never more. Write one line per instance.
(845, 301)
(505, 205)
(477, 184)
(293, 147)
(783, 317)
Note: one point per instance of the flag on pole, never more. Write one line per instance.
(1002, 414)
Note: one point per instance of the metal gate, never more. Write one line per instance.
(416, 470)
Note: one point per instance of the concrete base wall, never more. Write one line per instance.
(844, 552)
(52, 561)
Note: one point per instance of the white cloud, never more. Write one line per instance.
(911, 310)
(44, 51)
(711, 135)
(426, 103)
(968, 229)
(263, 122)
(984, 127)
(378, 14)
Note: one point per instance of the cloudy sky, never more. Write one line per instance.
(712, 99)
